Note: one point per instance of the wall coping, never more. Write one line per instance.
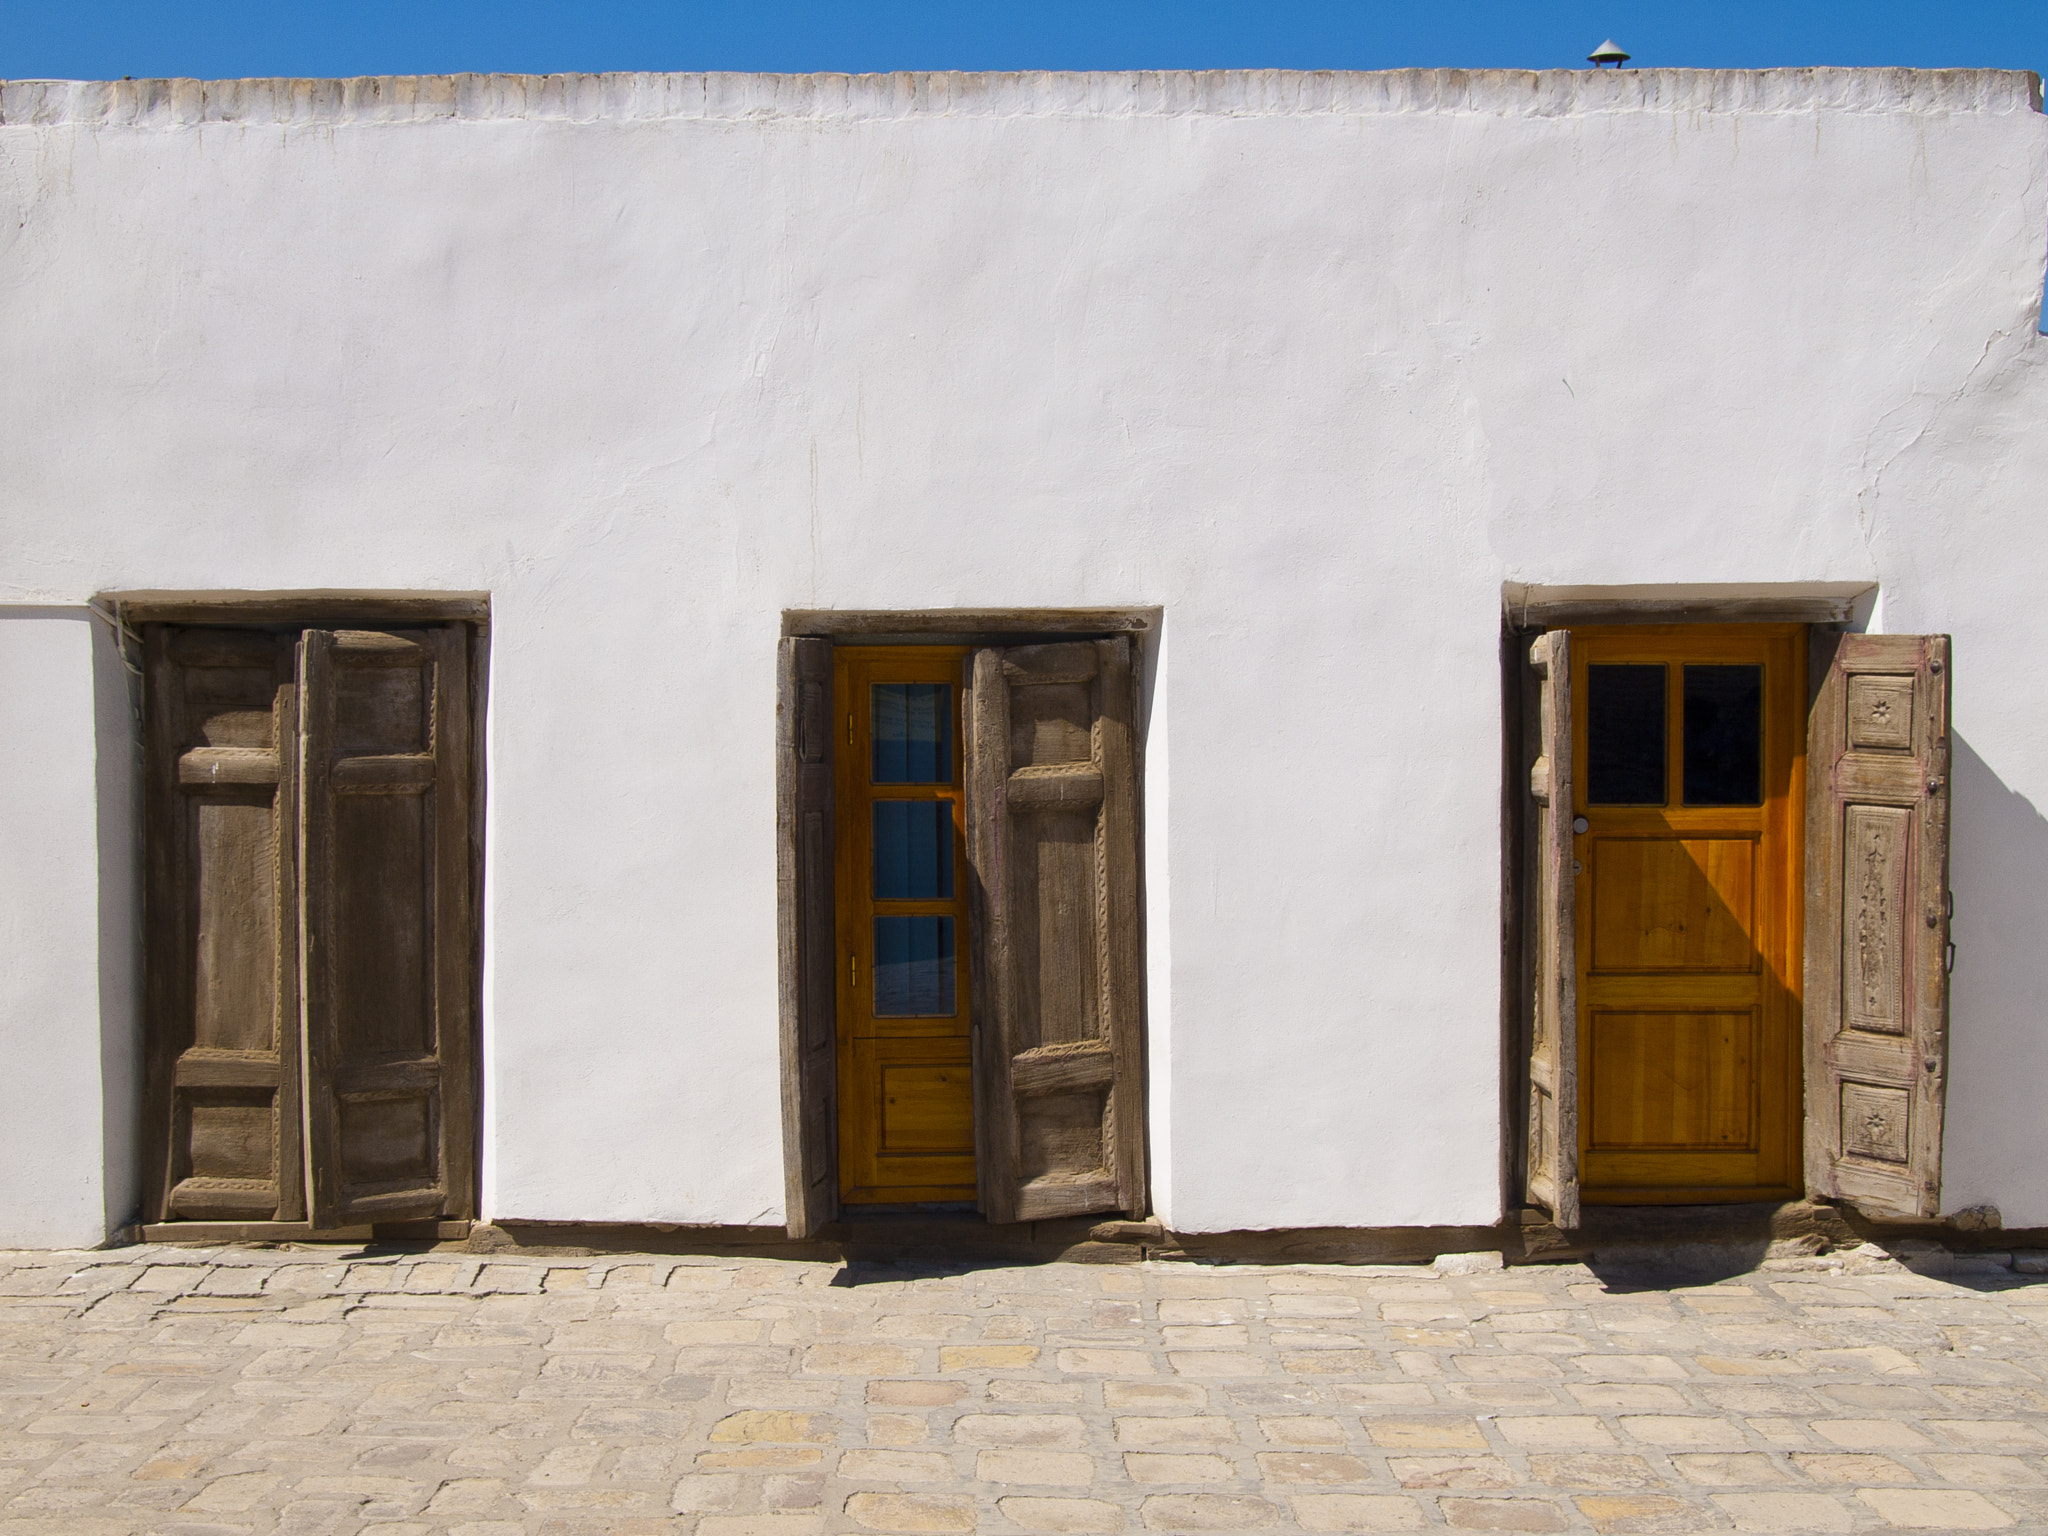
(648, 97)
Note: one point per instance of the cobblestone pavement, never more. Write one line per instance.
(315, 1391)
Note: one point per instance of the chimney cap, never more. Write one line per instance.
(1609, 52)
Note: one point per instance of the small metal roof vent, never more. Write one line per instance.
(1609, 52)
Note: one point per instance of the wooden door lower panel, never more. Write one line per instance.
(907, 1119)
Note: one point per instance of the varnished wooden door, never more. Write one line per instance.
(1688, 833)
(906, 1100)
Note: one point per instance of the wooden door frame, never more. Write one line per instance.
(1822, 607)
(796, 946)
(280, 611)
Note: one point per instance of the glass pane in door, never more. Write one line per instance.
(913, 850)
(912, 725)
(914, 969)
(1625, 734)
(1724, 735)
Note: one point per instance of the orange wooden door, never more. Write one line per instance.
(1688, 823)
(906, 1100)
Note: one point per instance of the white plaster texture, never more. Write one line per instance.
(67, 934)
(1315, 364)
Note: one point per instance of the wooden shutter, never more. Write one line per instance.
(1877, 916)
(385, 899)
(1551, 1179)
(221, 1089)
(803, 816)
(1052, 844)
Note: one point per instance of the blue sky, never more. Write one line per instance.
(105, 38)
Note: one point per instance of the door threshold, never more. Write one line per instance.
(1705, 1195)
(920, 1210)
(297, 1232)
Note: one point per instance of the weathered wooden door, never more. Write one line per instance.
(1551, 1156)
(386, 926)
(221, 1068)
(905, 1098)
(1878, 913)
(310, 950)
(1687, 848)
(1052, 814)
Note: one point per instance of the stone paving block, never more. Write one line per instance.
(995, 1357)
(1502, 1515)
(1594, 1470)
(759, 1525)
(1870, 1434)
(1639, 1514)
(1356, 1512)
(1932, 1509)
(1040, 1431)
(1556, 1432)
(784, 1426)
(1207, 1512)
(1105, 1362)
(1053, 1393)
(1984, 1471)
(1161, 1396)
(1172, 1467)
(915, 1394)
(1465, 1472)
(1311, 1467)
(1376, 1395)
(168, 1279)
(1095, 1517)
(1181, 1430)
(1850, 1468)
(687, 1277)
(1037, 1468)
(912, 1512)
(1776, 1512)
(1219, 1363)
(507, 1279)
(1426, 1434)
(1307, 1430)
(888, 1466)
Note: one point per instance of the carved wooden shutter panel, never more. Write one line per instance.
(1552, 1168)
(1052, 842)
(1877, 917)
(810, 1121)
(221, 1085)
(386, 924)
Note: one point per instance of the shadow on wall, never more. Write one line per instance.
(117, 731)
(1995, 1139)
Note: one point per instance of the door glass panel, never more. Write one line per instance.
(1724, 735)
(1625, 735)
(913, 733)
(913, 850)
(914, 967)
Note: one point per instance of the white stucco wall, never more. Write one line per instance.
(1313, 364)
(68, 963)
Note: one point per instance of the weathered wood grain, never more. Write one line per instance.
(1877, 921)
(1552, 1164)
(221, 1117)
(385, 924)
(805, 933)
(1052, 842)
